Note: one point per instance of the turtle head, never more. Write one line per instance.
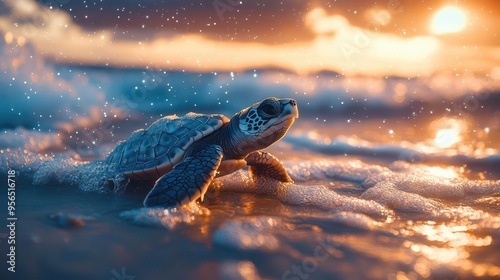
(267, 121)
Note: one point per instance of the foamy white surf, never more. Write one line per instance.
(254, 233)
(388, 191)
(166, 218)
(355, 220)
(400, 188)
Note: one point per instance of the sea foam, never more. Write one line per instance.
(380, 191)
(253, 233)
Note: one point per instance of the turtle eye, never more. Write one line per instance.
(268, 110)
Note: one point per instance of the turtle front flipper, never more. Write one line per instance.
(266, 165)
(187, 181)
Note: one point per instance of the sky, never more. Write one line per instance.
(367, 38)
(81, 74)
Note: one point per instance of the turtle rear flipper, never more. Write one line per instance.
(187, 181)
(266, 165)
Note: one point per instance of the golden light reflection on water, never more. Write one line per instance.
(454, 136)
(457, 257)
(454, 250)
(444, 172)
(439, 254)
(448, 132)
(453, 235)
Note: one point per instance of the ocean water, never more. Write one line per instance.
(394, 178)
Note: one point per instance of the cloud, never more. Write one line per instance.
(337, 46)
(31, 140)
(51, 107)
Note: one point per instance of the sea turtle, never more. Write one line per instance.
(183, 154)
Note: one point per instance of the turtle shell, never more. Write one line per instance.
(149, 153)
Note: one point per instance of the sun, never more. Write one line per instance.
(448, 19)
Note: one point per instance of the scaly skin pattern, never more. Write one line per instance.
(188, 180)
(266, 165)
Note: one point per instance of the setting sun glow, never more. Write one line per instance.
(448, 20)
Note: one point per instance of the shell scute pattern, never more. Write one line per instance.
(149, 152)
(146, 154)
(171, 127)
(201, 118)
(181, 132)
(129, 156)
(185, 142)
(167, 139)
(175, 153)
(214, 122)
(195, 134)
(155, 164)
(139, 166)
(192, 124)
(129, 168)
(160, 150)
(206, 129)
(116, 155)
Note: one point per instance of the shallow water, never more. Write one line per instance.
(386, 186)
(340, 214)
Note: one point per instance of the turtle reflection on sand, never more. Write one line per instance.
(183, 155)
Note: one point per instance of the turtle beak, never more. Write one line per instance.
(290, 109)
